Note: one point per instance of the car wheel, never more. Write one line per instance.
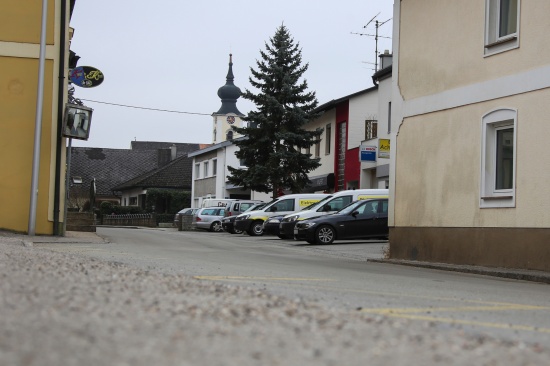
(236, 231)
(216, 226)
(325, 235)
(256, 229)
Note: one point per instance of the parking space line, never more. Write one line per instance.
(262, 278)
(412, 314)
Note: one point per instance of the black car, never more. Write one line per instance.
(228, 222)
(363, 219)
(271, 226)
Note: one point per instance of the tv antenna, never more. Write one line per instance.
(377, 24)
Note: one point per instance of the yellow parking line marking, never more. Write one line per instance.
(401, 311)
(471, 322)
(262, 278)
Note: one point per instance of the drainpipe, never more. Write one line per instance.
(38, 123)
(60, 114)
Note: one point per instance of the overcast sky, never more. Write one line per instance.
(173, 55)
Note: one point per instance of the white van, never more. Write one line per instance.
(329, 205)
(215, 202)
(252, 222)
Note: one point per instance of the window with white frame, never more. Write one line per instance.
(205, 166)
(498, 160)
(328, 137)
(214, 167)
(197, 171)
(501, 25)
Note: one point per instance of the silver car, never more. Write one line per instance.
(209, 218)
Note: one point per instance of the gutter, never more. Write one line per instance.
(60, 114)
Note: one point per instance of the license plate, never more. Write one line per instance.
(295, 231)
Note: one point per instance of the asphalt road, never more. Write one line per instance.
(337, 276)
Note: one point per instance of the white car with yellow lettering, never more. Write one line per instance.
(252, 222)
(329, 205)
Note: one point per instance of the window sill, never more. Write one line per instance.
(502, 40)
(497, 197)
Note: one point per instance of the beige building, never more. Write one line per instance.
(471, 164)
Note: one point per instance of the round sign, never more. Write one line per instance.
(86, 76)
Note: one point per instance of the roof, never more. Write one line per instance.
(113, 167)
(331, 104)
(176, 175)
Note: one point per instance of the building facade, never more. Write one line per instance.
(470, 92)
(20, 35)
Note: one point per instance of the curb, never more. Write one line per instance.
(515, 274)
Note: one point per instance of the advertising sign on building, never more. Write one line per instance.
(86, 76)
(384, 148)
(367, 153)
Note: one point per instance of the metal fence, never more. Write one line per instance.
(148, 220)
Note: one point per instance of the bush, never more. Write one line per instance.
(167, 201)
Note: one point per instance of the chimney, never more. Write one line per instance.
(386, 59)
(174, 151)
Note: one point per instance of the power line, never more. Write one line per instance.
(149, 109)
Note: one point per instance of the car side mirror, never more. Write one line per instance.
(327, 208)
(274, 209)
(355, 213)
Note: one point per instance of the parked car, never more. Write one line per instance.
(228, 222)
(360, 220)
(236, 208)
(185, 211)
(329, 205)
(209, 218)
(271, 226)
(252, 222)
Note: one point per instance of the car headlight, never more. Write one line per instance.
(306, 225)
(292, 218)
(273, 221)
(242, 217)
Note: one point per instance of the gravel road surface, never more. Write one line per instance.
(59, 309)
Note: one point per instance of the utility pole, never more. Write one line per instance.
(377, 25)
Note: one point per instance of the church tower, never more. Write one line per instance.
(228, 115)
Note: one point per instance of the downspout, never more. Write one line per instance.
(60, 114)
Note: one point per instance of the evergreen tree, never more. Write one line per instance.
(275, 137)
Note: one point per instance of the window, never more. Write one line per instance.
(317, 148)
(205, 169)
(389, 118)
(371, 129)
(498, 158)
(328, 137)
(133, 201)
(501, 25)
(214, 167)
(197, 171)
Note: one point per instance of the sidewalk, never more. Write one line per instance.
(71, 237)
(516, 274)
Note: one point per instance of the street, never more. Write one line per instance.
(338, 277)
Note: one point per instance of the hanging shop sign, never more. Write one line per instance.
(86, 76)
(367, 153)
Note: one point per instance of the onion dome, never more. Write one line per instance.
(229, 93)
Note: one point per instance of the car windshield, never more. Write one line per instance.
(350, 208)
(255, 207)
(269, 204)
(316, 204)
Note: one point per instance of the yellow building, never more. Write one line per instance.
(20, 34)
(470, 170)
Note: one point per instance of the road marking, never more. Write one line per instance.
(409, 313)
(262, 278)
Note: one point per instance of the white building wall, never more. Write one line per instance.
(361, 108)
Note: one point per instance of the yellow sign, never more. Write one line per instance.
(384, 148)
(366, 197)
(307, 202)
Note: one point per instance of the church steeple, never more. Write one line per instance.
(229, 93)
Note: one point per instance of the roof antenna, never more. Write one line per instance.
(377, 25)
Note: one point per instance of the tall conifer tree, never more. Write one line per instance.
(275, 137)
